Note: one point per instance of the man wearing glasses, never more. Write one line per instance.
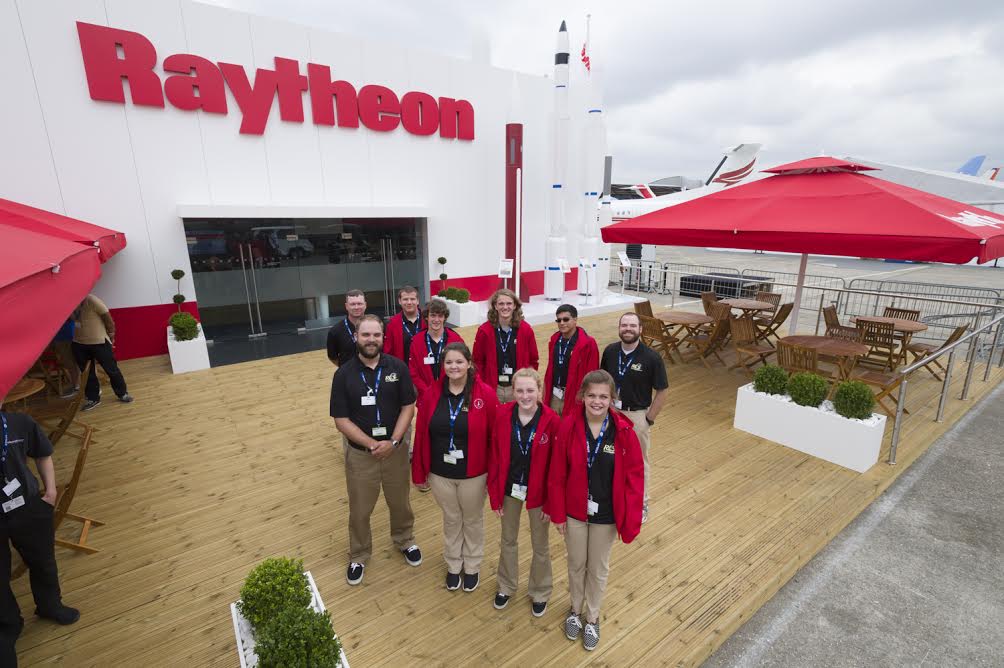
(573, 354)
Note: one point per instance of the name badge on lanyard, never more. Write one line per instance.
(454, 455)
(13, 484)
(592, 507)
(623, 364)
(348, 328)
(434, 350)
(371, 400)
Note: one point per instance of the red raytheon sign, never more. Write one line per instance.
(112, 56)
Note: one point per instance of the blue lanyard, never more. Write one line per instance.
(519, 443)
(623, 362)
(592, 451)
(437, 349)
(507, 341)
(561, 348)
(407, 329)
(3, 453)
(374, 391)
(453, 417)
(349, 329)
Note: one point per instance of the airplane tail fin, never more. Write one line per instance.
(972, 166)
(736, 164)
(992, 174)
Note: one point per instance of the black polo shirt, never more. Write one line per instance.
(439, 436)
(354, 380)
(560, 377)
(519, 464)
(601, 475)
(410, 331)
(506, 356)
(24, 439)
(644, 372)
(342, 341)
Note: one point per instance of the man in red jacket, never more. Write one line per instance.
(404, 326)
(573, 354)
(504, 344)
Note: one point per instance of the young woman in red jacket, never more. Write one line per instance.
(503, 344)
(427, 348)
(596, 486)
(452, 437)
(517, 477)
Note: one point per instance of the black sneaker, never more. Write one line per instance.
(126, 398)
(355, 573)
(644, 513)
(591, 636)
(62, 615)
(69, 392)
(90, 405)
(538, 609)
(501, 601)
(412, 555)
(453, 581)
(471, 581)
(572, 626)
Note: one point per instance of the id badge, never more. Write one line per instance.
(458, 454)
(449, 459)
(379, 431)
(618, 404)
(503, 378)
(368, 400)
(11, 487)
(519, 492)
(558, 392)
(507, 370)
(429, 360)
(592, 507)
(14, 503)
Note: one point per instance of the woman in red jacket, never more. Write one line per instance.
(452, 437)
(517, 477)
(503, 344)
(427, 348)
(596, 484)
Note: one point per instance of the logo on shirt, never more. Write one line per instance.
(391, 378)
(479, 404)
(636, 367)
(608, 449)
(14, 441)
(543, 439)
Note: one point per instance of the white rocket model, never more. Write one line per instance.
(606, 217)
(556, 244)
(594, 140)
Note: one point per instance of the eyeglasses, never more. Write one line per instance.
(561, 320)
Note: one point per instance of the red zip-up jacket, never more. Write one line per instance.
(421, 373)
(568, 475)
(393, 336)
(480, 418)
(486, 359)
(540, 455)
(585, 357)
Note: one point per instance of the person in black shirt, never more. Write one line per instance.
(372, 402)
(638, 371)
(342, 337)
(26, 522)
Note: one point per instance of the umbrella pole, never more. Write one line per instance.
(798, 293)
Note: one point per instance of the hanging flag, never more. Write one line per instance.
(585, 58)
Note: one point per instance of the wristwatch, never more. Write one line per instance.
(395, 442)
(649, 420)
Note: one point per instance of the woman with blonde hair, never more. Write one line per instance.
(504, 343)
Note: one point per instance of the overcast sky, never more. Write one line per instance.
(911, 82)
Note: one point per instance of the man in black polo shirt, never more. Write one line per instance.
(637, 370)
(26, 522)
(373, 401)
(342, 337)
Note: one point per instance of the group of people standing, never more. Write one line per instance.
(570, 448)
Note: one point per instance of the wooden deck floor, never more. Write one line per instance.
(208, 473)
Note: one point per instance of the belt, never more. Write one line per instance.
(631, 409)
(358, 447)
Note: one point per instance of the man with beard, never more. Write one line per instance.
(342, 337)
(372, 402)
(637, 370)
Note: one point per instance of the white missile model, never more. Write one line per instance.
(556, 244)
(606, 217)
(594, 139)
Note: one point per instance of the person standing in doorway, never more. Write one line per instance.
(94, 339)
(517, 477)
(573, 354)
(342, 337)
(372, 402)
(452, 436)
(504, 343)
(595, 492)
(404, 326)
(638, 371)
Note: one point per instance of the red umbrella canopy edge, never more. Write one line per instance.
(108, 242)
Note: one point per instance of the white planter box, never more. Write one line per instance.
(819, 432)
(468, 313)
(245, 635)
(188, 355)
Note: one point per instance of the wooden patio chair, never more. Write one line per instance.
(644, 308)
(708, 344)
(780, 316)
(886, 384)
(835, 330)
(796, 359)
(922, 350)
(881, 341)
(763, 318)
(61, 417)
(49, 368)
(707, 299)
(901, 313)
(657, 337)
(748, 351)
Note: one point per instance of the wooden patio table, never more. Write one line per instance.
(23, 389)
(907, 328)
(748, 306)
(685, 320)
(843, 352)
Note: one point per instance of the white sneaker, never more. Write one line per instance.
(591, 636)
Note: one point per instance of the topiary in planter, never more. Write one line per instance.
(853, 399)
(770, 379)
(463, 295)
(184, 326)
(807, 389)
(179, 299)
(297, 636)
(273, 585)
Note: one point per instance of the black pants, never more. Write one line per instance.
(29, 529)
(102, 354)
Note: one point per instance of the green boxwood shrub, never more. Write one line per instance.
(184, 326)
(273, 585)
(854, 399)
(297, 636)
(771, 379)
(459, 295)
(807, 389)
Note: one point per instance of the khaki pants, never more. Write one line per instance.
(588, 547)
(505, 394)
(463, 506)
(641, 429)
(557, 405)
(540, 568)
(364, 477)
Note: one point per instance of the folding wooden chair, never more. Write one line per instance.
(710, 343)
(656, 336)
(886, 385)
(707, 299)
(49, 367)
(922, 350)
(881, 342)
(782, 313)
(65, 416)
(748, 351)
(773, 298)
(835, 330)
(643, 308)
(901, 313)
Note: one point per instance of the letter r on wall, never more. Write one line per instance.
(105, 71)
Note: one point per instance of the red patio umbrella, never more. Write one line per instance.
(827, 206)
(108, 242)
(42, 279)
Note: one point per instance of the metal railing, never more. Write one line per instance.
(972, 354)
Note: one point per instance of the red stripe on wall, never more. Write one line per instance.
(482, 287)
(141, 331)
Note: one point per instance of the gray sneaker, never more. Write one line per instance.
(591, 636)
(572, 626)
(90, 405)
(126, 398)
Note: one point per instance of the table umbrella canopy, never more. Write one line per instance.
(108, 242)
(824, 206)
(42, 279)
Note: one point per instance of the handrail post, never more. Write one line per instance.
(819, 313)
(901, 402)
(990, 357)
(973, 348)
(944, 387)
